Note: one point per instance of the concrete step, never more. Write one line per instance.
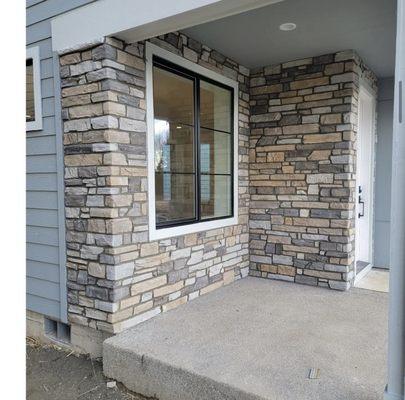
(158, 379)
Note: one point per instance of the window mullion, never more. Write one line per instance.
(197, 148)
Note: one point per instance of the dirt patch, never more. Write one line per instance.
(56, 374)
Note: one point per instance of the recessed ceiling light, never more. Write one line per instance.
(287, 26)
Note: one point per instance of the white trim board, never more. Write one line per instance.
(155, 234)
(33, 53)
(133, 21)
(366, 95)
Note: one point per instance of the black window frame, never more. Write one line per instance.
(164, 64)
(29, 62)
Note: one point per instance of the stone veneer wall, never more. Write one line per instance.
(116, 276)
(302, 169)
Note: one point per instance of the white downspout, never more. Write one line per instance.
(396, 330)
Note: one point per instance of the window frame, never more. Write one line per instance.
(183, 65)
(33, 54)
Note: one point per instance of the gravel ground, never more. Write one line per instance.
(55, 374)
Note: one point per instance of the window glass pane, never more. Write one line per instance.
(215, 152)
(175, 197)
(215, 107)
(29, 91)
(174, 147)
(216, 196)
(173, 97)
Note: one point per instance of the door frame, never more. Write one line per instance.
(366, 93)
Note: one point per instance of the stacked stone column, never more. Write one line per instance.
(303, 169)
(117, 277)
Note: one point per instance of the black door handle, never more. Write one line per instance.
(361, 202)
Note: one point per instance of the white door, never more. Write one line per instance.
(365, 177)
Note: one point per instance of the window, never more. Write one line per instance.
(33, 109)
(193, 143)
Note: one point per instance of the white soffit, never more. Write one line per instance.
(134, 20)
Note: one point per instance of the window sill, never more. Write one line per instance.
(165, 233)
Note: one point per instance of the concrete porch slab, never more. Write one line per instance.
(258, 339)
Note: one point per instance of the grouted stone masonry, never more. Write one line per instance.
(298, 147)
(116, 276)
(303, 169)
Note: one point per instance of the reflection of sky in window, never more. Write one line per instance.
(162, 131)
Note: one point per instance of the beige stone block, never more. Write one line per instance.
(98, 212)
(117, 181)
(106, 95)
(331, 119)
(319, 96)
(81, 89)
(130, 60)
(89, 110)
(288, 169)
(288, 177)
(301, 249)
(118, 200)
(267, 89)
(72, 58)
(297, 63)
(323, 138)
(190, 240)
(309, 204)
(318, 155)
(211, 287)
(320, 178)
(317, 222)
(72, 160)
(113, 136)
(175, 303)
(323, 274)
(168, 289)
(229, 277)
(96, 269)
(307, 83)
(272, 269)
(148, 249)
(114, 108)
(76, 100)
(143, 307)
(275, 157)
(119, 316)
(272, 69)
(340, 223)
(96, 225)
(115, 159)
(300, 129)
(335, 68)
(278, 239)
(281, 147)
(149, 284)
(130, 301)
(133, 171)
(118, 225)
(286, 270)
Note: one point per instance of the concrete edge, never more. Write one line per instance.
(153, 378)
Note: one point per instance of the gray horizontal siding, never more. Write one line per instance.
(46, 286)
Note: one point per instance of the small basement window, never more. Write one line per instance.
(193, 148)
(33, 108)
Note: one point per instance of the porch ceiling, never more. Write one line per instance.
(253, 38)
